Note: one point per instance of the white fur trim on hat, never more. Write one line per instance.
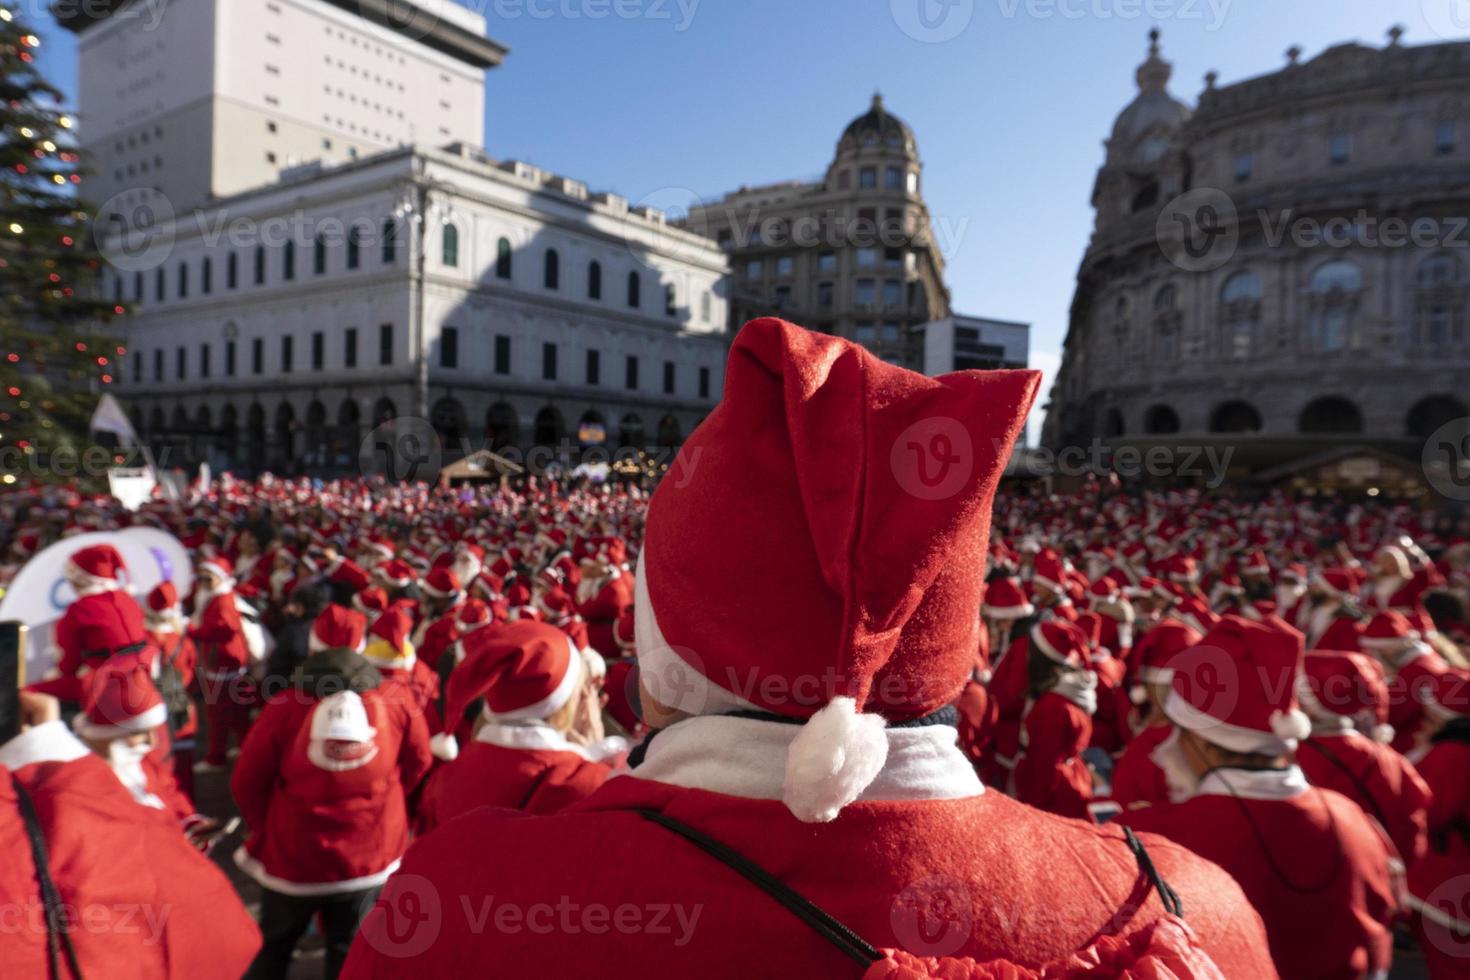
(834, 757)
(1234, 737)
(146, 722)
(1038, 637)
(1007, 612)
(556, 700)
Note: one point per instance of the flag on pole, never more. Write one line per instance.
(110, 417)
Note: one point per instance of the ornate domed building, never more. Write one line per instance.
(851, 254)
(1282, 271)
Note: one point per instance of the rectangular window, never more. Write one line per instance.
(893, 178)
(865, 333)
(206, 277)
(1444, 138)
(137, 360)
(668, 377)
(229, 358)
(862, 293)
(449, 347)
(181, 363)
(785, 265)
(390, 242)
(203, 360)
(349, 347)
(385, 344)
(502, 354)
(754, 269)
(630, 373)
(158, 286)
(288, 350)
(318, 350)
(232, 271)
(868, 178)
(183, 280)
(704, 382)
(1244, 165)
(594, 367)
(1340, 148)
(867, 258)
(257, 356)
(158, 365)
(782, 298)
(288, 262)
(824, 295)
(892, 292)
(893, 258)
(260, 265)
(548, 362)
(827, 262)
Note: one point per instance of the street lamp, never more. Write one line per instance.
(414, 209)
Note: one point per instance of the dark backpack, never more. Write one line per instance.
(171, 686)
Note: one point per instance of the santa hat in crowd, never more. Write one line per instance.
(866, 504)
(1347, 690)
(370, 602)
(220, 567)
(121, 700)
(1048, 572)
(161, 607)
(397, 573)
(1061, 642)
(1005, 600)
(96, 566)
(1237, 687)
(442, 583)
(1388, 632)
(1450, 697)
(1154, 654)
(338, 628)
(389, 646)
(523, 670)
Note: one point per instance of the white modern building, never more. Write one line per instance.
(376, 270)
(973, 343)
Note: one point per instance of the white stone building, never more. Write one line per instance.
(974, 343)
(275, 325)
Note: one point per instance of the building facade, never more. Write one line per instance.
(507, 306)
(1282, 267)
(310, 269)
(851, 255)
(974, 343)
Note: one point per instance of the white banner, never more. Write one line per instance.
(133, 487)
(40, 593)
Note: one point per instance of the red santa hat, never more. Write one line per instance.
(1237, 687)
(1195, 613)
(101, 562)
(473, 614)
(854, 490)
(1103, 590)
(389, 644)
(162, 598)
(121, 700)
(1451, 695)
(1005, 600)
(1336, 582)
(1348, 689)
(523, 670)
(219, 566)
(381, 547)
(397, 573)
(370, 602)
(338, 628)
(1388, 632)
(1047, 571)
(1153, 656)
(441, 583)
(1061, 642)
(1183, 570)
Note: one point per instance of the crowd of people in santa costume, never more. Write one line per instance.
(830, 720)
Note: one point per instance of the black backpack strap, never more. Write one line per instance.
(1167, 895)
(851, 944)
(56, 924)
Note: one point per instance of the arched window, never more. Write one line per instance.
(1112, 423)
(1240, 312)
(1160, 420)
(1334, 293)
(285, 432)
(315, 448)
(1235, 416)
(502, 259)
(1432, 413)
(592, 429)
(449, 245)
(669, 433)
(548, 426)
(255, 432)
(630, 431)
(448, 419)
(500, 426)
(1330, 416)
(635, 285)
(384, 411)
(551, 270)
(319, 255)
(594, 280)
(1439, 302)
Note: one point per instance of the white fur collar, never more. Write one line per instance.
(746, 757)
(526, 735)
(1255, 784)
(49, 742)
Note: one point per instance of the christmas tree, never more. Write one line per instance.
(55, 356)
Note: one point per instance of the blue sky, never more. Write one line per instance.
(1009, 99)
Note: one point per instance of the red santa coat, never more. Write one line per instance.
(638, 896)
(1007, 687)
(440, 635)
(151, 906)
(1137, 780)
(1437, 889)
(529, 768)
(1342, 633)
(418, 686)
(1411, 682)
(602, 611)
(1050, 774)
(93, 628)
(318, 832)
(1325, 864)
(1381, 781)
(220, 638)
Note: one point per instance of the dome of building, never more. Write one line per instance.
(1154, 110)
(877, 127)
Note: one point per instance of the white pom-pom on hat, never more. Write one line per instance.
(444, 746)
(834, 757)
(1291, 725)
